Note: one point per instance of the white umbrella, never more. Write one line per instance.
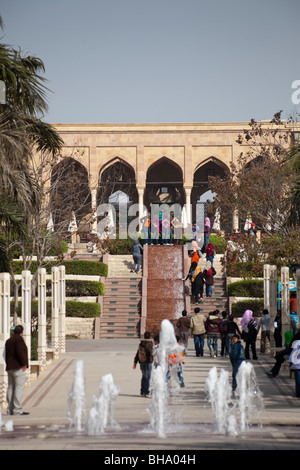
(50, 224)
(110, 219)
(73, 224)
(248, 223)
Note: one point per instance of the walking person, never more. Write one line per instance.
(224, 350)
(198, 281)
(16, 358)
(264, 324)
(144, 356)
(214, 329)
(249, 333)
(210, 253)
(198, 330)
(147, 228)
(237, 356)
(232, 329)
(209, 273)
(183, 326)
(136, 254)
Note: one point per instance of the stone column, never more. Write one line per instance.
(4, 332)
(188, 204)
(267, 287)
(298, 298)
(285, 304)
(62, 309)
(273, 302)
(54, 312)
(26, 316)
(42, 319)
(141, 207)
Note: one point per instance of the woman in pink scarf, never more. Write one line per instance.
(249, 333)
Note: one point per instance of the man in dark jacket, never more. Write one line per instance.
(16, 358)
(144, 356)
(214, 328)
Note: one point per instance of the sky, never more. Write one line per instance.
(158, 61)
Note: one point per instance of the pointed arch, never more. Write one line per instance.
(164, 183)
(70, 191)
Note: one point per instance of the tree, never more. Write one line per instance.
(264, 186)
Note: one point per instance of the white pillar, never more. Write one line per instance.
(298, 298)
(62, 309)
(267, 287)
(273, 300)
(26, 315)
(4, 332)
(42, 319)
(285, 301)
(141, 207)
(55, 312)
(188, 205)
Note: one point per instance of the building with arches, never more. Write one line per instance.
(150, 163)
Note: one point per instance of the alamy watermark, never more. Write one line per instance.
(170, 221)
(296, 93)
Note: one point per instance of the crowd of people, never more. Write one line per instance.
(224, 335)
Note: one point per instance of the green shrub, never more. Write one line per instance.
(246, 288)
(73, 309)
(256, 305)
(91, 268)
(82, 309)
(219, 243)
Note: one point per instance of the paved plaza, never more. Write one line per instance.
(192, 422)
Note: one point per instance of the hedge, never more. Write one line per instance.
(256, 305)
(78, 288)
(89, 268)
(73, 309)
(246, 288)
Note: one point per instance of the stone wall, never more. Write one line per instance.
(82, 328)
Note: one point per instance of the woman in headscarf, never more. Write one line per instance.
(210, 253)
(209, 273)
(249, 333)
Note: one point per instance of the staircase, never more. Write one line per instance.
(165, 288)
(120, 317)
(219, 295)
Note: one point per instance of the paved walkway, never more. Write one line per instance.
(193, 423)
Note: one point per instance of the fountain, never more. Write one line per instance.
(249, 403)
(76, 400)
(158, 409)
(102, 411)
(219, 395)
(250, 400)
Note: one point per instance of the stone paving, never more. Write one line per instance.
(193, 424)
